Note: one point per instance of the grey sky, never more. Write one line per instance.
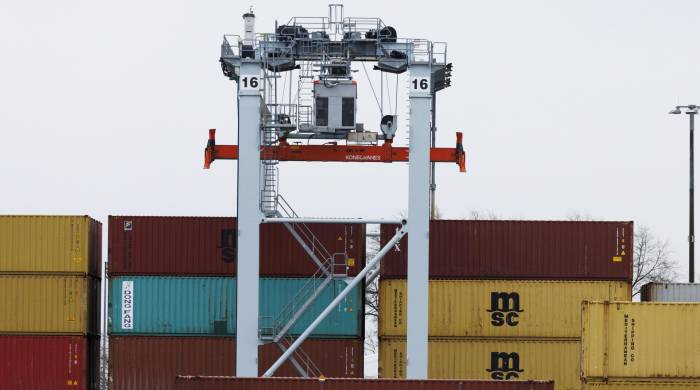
(104, 109)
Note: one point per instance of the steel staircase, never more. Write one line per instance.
(330, 267)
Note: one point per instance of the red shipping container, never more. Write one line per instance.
(139, 362)
(48, 362)
(571, 250)
(207, 246)
(231, 383)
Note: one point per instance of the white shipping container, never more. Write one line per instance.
(671, 292)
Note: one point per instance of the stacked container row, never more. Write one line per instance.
(172, 298)
(199, 306)
(671, 292)
(625, 344)
(230, 383)
(50, 272)
(505, 297)
(208, 246)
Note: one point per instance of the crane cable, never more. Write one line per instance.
(371, 86)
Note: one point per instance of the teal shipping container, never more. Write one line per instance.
(152, 305)
(345, 321)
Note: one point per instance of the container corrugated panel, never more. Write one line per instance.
(335, 358)
(346, 319)
(50, 245)
(640, 340)
(140, 362)
(282, 255)
(671, 292)
(498, 308)
(521, 250)
(172, 305)
(47, 362)
(207, 246)
(637, 385)
(496, 359)
(232, 383)
(207, 306)
(49, 304)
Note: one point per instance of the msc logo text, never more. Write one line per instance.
(228, 245)
(504, 366)
(505, 308)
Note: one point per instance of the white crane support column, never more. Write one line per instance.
(420, 98)
(249, 217)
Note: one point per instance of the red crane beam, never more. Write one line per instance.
(284, 151)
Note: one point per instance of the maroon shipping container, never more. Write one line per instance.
(231, 383)
(207, 246)
(521, 250)
(139, 362)
(48, 362)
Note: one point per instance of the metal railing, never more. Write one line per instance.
(276, 327)
(308, 237)
(280, 116)
(302, 361)
(231, 45)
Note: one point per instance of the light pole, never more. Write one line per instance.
(691, 110)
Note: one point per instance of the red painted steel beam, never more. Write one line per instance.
(334, 153)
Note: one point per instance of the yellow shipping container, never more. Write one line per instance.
(498, 308)
(497, 359)
(49, 304)
(640, 340)
(50, 244)
(652, 385)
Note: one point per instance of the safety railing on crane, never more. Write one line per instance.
(302, 361)
(334, 264)
(231, 45)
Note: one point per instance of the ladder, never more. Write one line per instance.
(270, 173)
(305, 96)
(269, 163)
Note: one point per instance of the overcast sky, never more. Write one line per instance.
(104, 109)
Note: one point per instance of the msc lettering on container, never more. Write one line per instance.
(505, 366)
(128, 304)
(505, 308)
(228, 244)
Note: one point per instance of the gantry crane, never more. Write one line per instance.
(298, 83)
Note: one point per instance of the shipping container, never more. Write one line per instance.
(172, 305)
(640, 340)
(48, 362)
(637, 385)
(49, 304)
(520, 250)
(207, 306)
(493, 359)
(139, 362)
(232, 383)
(346, 319)
(671, 292)
(497, 308)
(207, 246)
(50, 244)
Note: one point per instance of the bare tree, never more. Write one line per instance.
(576, 216)
(372, 300)
(479, 215)
(652, 260)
